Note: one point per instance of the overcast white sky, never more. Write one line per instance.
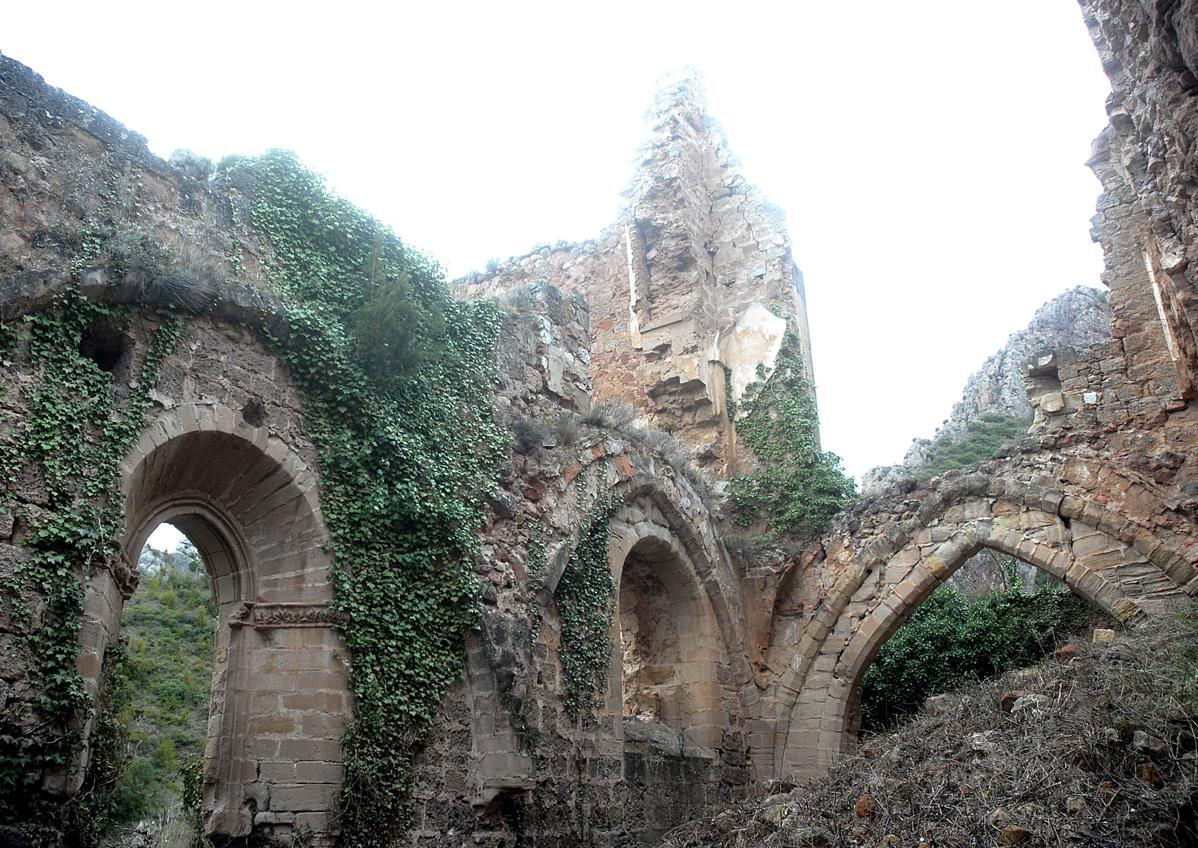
(929, 154)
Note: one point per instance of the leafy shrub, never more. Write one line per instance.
(949, 640)
(980, 441)
(396, 333)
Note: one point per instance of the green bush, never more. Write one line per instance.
(980, 441)
(950, 639)
(396, 333)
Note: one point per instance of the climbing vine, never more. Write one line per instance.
(585, 599)
(396, 376)
(535, 564)
(797, 487)
(79, 424)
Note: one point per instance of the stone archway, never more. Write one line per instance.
(1114, 574)
(280, 697)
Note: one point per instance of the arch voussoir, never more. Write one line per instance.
(1135, 571)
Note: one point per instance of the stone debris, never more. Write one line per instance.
(990, 777)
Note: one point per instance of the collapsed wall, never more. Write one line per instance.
(225, 451)
(1103, 493)
(692, 289)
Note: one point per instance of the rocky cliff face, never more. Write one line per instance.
(1079, 318)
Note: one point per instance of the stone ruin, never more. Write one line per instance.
(726, 673)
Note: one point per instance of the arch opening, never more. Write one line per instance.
(649, 642)
(169, 629)
(909, 597)
(1114, 570)
(994, 614)
(279, 700)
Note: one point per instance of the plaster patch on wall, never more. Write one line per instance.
(753, 340)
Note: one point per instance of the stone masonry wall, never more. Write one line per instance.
(504, 760)
(506, 764)
(1104, 494)
(1148, 216)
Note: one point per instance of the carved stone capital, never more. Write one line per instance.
(268, 615)
(125, 574)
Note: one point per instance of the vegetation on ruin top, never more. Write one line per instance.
(982, 438)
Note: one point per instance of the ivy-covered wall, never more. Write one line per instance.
(443, 535)
(139, 294)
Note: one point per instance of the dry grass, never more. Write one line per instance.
(622, 417)
(1105, 754)
(611, 414)
(171, 271)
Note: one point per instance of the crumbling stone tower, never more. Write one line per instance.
(691, 291)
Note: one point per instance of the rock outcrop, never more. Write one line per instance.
(1077, 319)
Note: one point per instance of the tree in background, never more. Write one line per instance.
(168, 628)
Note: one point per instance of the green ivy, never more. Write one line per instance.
(729, 398)
(78, 427)
(8, 338)
(396, 375)
(536, 563)
(797, 487)
(585, 598)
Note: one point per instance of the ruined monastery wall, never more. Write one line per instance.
(687, 290)
(720, 672)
